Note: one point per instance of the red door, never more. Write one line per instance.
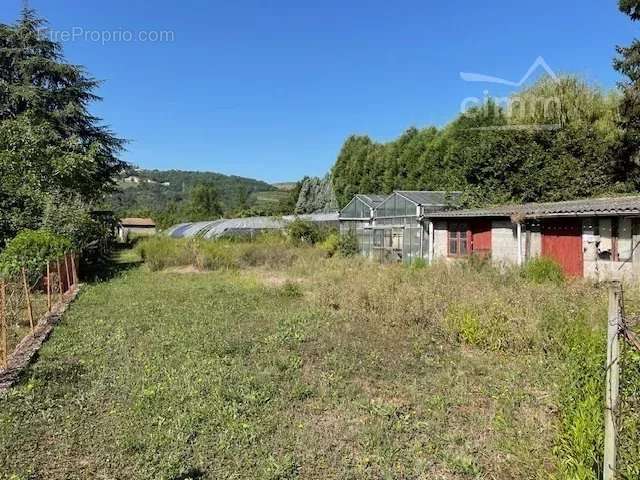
(481, 237)
(562, 242)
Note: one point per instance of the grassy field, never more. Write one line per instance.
(291, 365)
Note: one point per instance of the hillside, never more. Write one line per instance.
(158, 190)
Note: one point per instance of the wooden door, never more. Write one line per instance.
(562, 242)
(481, 237)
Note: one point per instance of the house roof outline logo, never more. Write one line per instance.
(538, 63)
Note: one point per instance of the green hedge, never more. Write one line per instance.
(32, 249)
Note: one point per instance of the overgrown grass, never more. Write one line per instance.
(286, 364)
(272, 251)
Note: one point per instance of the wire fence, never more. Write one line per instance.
(28, 296)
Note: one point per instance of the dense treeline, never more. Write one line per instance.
(558, 139)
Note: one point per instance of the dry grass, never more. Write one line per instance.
(291, 365)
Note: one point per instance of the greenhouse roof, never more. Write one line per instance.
(371, 200)
(429, 197)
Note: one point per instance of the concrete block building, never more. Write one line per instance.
(594, 238)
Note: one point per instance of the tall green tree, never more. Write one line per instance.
(204, 203)
(628, 64)
(50, 144)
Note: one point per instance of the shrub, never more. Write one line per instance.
(419, 264)
(331, 244)
(303, 231)
(542, 270)
(349, 244)
(32, 249)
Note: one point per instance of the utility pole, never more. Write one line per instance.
(616, 307)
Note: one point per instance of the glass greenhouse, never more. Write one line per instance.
(358, 217)
(394, 230)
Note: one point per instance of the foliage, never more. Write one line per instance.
(349, 244)
(554, 140)
(49, 142)
(32, 249)
(160, 252)
(540, 270)
(167, 193)
(628, 64)
(72, 219)
(303, 232)
(204, 203)
(331, 244)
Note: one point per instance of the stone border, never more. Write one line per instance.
(26, 350)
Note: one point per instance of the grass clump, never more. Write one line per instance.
(541, 270)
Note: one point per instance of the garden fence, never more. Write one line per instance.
(29, 296)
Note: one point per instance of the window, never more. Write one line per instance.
(458, 239)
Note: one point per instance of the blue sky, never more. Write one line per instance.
(270, 89)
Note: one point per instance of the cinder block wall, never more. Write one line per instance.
(504, 242)
(440, 239)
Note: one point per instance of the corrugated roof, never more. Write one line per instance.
(586, 207)
(137, 222)
(430, 197)
(371, 200)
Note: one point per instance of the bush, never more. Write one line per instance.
(331, 244)
(349, 244)
(543, 270)
(32, 249)
(303, 231)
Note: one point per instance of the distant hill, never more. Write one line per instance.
(157, 190)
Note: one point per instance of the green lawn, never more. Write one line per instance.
(258, 374)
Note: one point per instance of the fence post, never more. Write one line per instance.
(3, 325)
(60, 289)
(74, 270)
(613, 380)
(66, 267)
(49, 285)
(28, 299)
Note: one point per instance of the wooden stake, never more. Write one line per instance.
(60, 289)
(49, 285)
(28, 297)
(74, 270)
(3, 326)
(66, 267)
(613, 380)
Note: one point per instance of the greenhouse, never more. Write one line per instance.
(358, 217)
(395, 228)
(247, 227)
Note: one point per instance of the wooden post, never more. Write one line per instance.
(60, 289)
(74, 270)
(3, 325)
(613, 380)
(28, 299)
(66, 267)
(49, 285)
(74, 267)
